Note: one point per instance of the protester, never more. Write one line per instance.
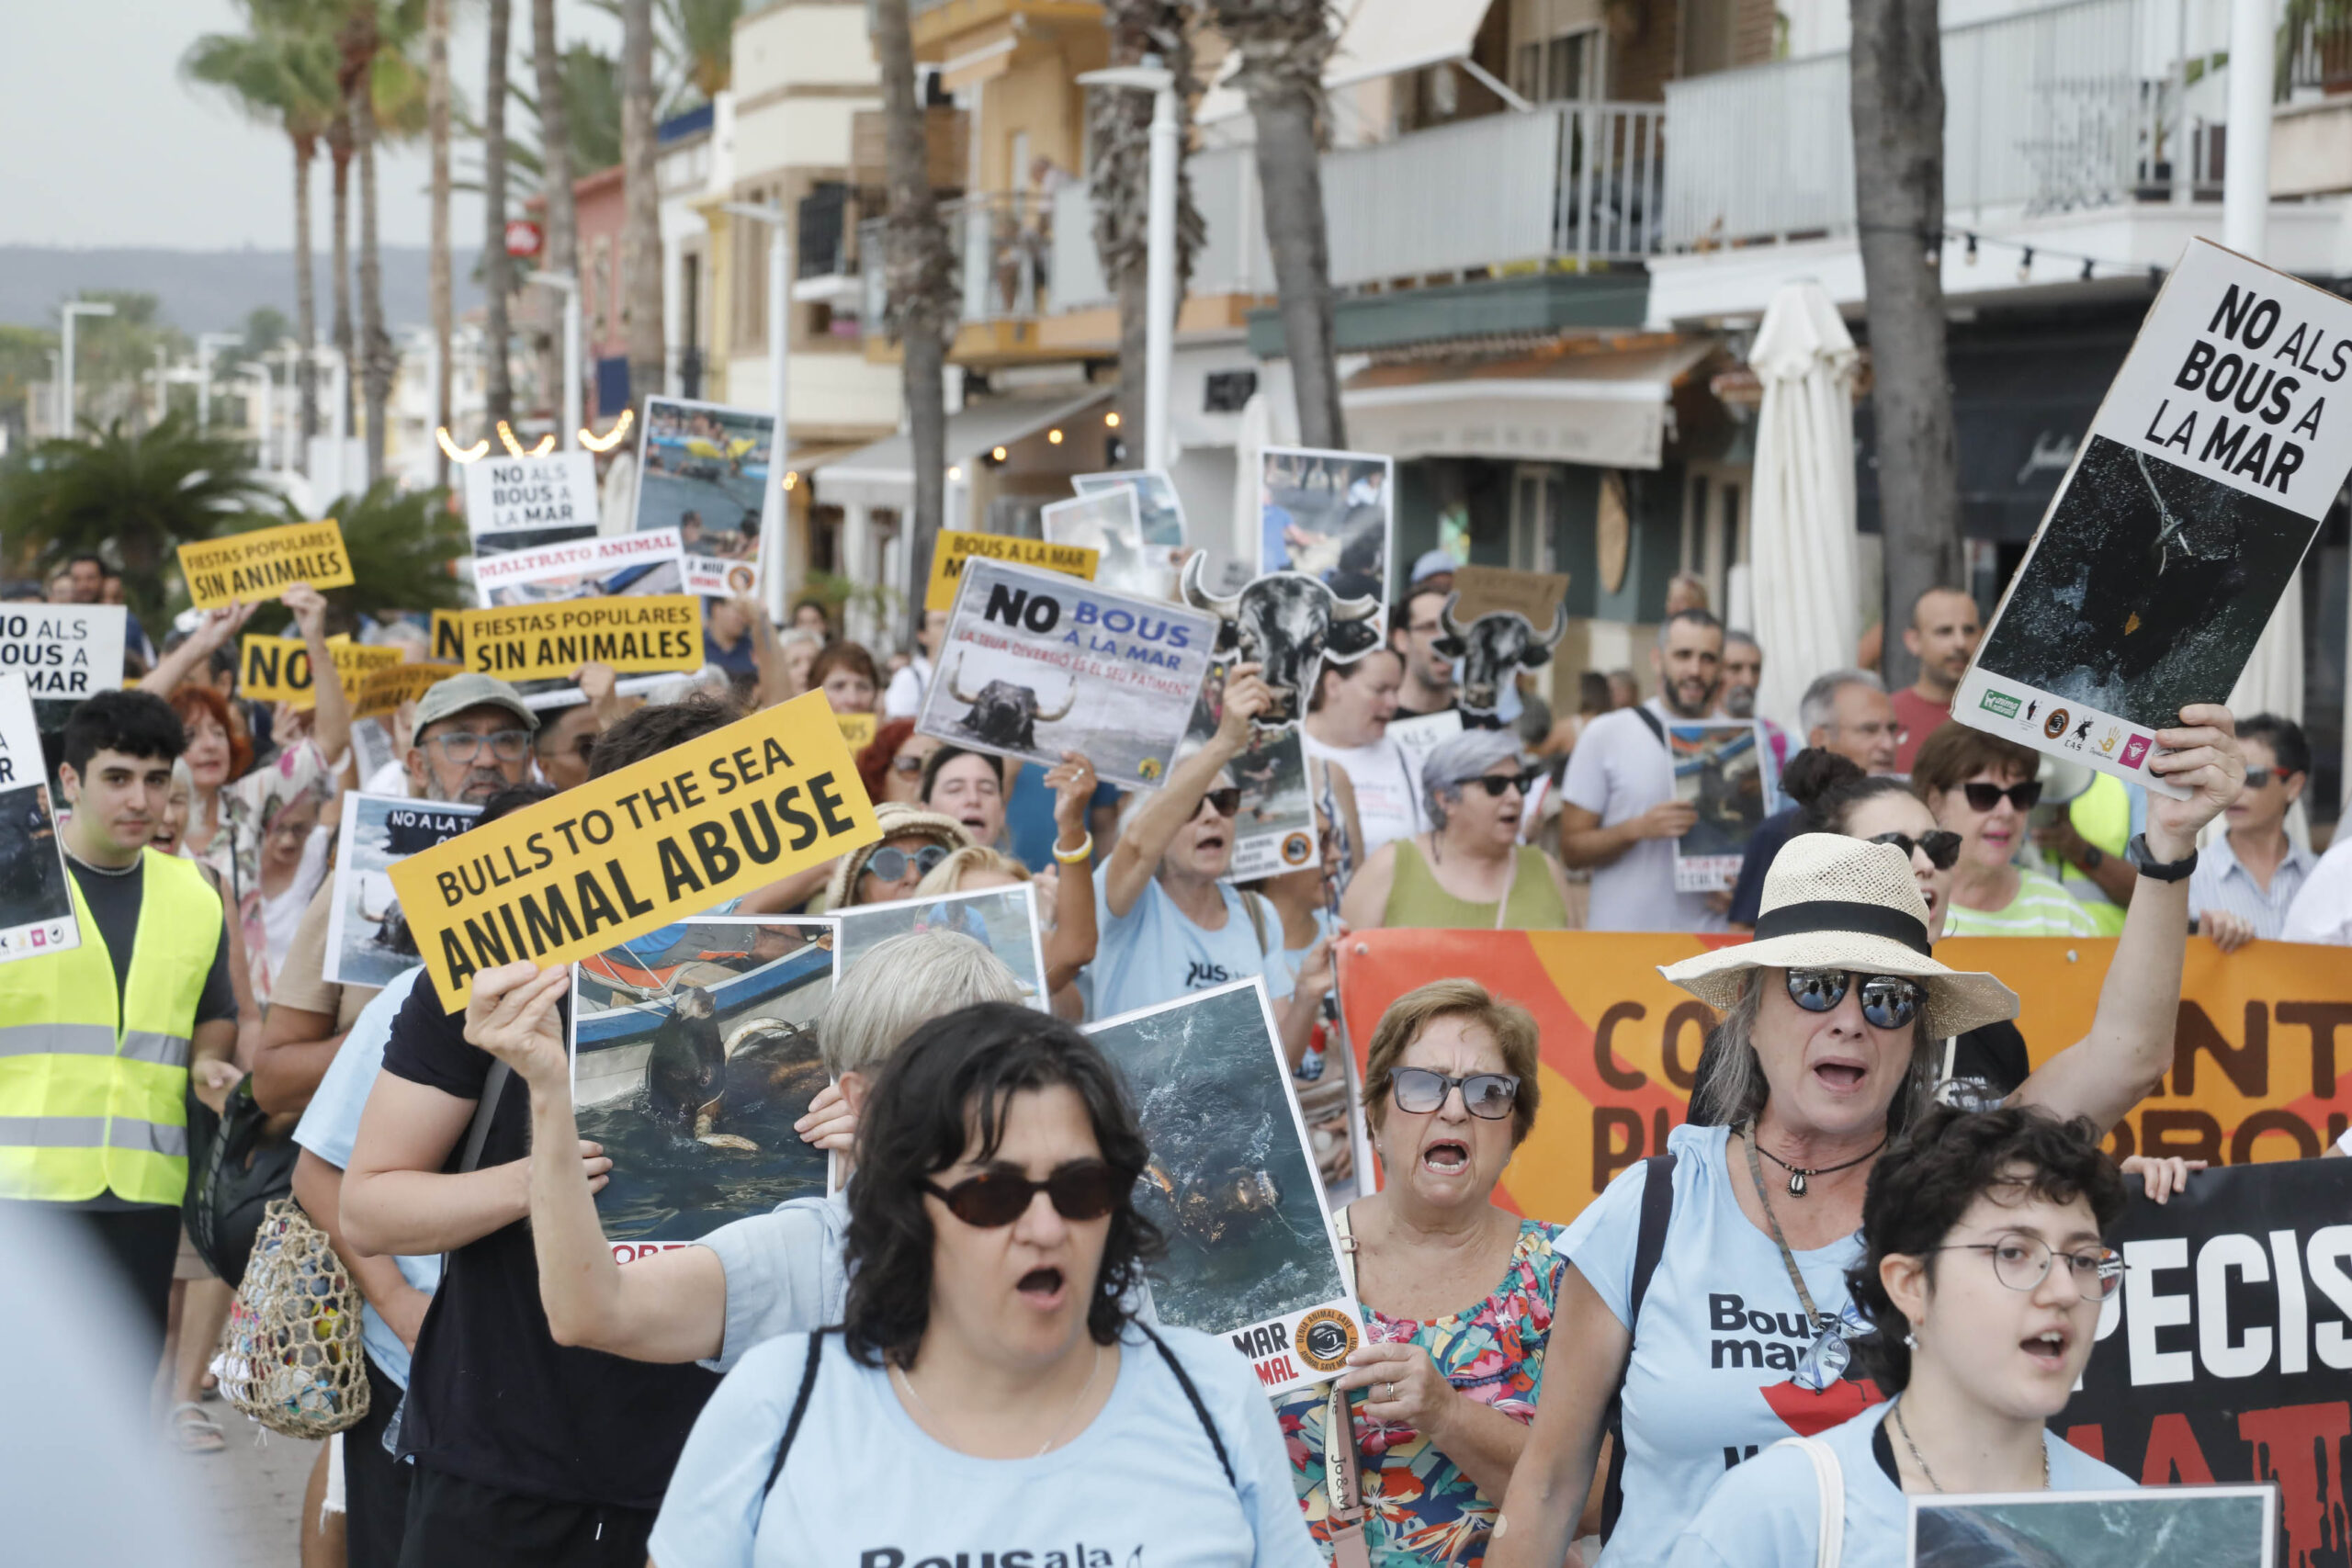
(1979, 1290)
(845, 673)
(136, 646)
(1942, 637)
(1832, 1020)
(913, 842)
(904, 699)
(810, 616)
(1983, 787)
(1347, 726)
(1414, 631)
(1469, 871)
(1452, 1362)
(1065, 896)
(563, 743)
(890, 765)
(1686, 591)
(1624, 691)
(1593, 701)
(2247, 879)
(730, 637)
(1617, 813)
(1845, 712)
(989, 1364)
(1743, 674)
(969, 786)
(2083, 841)
(796, 653)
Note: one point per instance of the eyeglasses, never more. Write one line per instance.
(1226, 802)
(1984, 797)
(2022, 1262)
(2260, 778)
(1942, 849)
(1495, 783)
(890, 862)
(464, 745)
(1082, 1190)
(1888, 1001)
(1486, 1095)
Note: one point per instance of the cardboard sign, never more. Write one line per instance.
(640, 849)
(383, 691)
(1534, 596)
(369, 940)
(1716, 769)
(1106, 524)
(66, 652)
(2206, 471)
(857, 729)
(1002, 920)
(2174, 1527)
(1274, 830)
(1331, 516)
(549, 642)
(1421, 735)
(36, 903)
(954, 548)
(506, 495)
(1035, 665)
(608, 566)
(1251, 1254)
(278, 669)
(263, 562)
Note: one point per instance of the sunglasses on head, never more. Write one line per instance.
(1986, 797)
(1226, 802)
(1495, 783)
(1082, 1190)
(1420, 1091)
(1942, 849)
(1889, 1002)
(890, 862)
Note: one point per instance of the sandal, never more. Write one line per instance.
(195, 1432)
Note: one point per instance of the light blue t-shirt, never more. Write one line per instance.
(785, 1273)
(864, 1487)
(1721, 1331)
(1767, 1513)
(1157, 954)
(330, 1125)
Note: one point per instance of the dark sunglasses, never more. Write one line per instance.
(889, 862)
(1888, 1002)
(2260, 778)
(909, 766)
(1495, 783)
(1984, 797)
(1082, 1190)
(1226, 802)
(1486, 1095)
(1942, 849)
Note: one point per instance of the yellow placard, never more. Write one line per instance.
(947, 560)
(263, 563)
(449, 638)
(621, 855)
(857, 729)
(383, 691)
(635, 635)
(278, 669)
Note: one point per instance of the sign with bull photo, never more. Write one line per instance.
(1251, 1254)
(1490, 622)
(368, 941)
(1035, 665)
(36, 903)
(1328, 516)
(1716, 770)
(1288, 624)
(1106, 524)
(1267, 786)
(694, 1051)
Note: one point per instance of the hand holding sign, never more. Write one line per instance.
(513, 1015)
(2201, 756)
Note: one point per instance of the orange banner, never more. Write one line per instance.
(2256, 1074)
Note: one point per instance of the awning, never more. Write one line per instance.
(1380, 38)
(1603, 407)
(883, 473)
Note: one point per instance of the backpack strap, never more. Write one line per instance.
(792, 1423)
(1656, 729)
(1829, 1481)
(486, 1108)
(1184, 1382)
(1649, 1245)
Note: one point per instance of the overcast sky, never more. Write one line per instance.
(109, 147)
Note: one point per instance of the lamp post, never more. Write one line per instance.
(772, 511)
(205, 344)
(72, 307)
(568, 438)
(1159, 254)
(259, 375)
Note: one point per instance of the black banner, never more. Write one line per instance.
(411, 830)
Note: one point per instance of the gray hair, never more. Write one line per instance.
(1455, 760)
(1818, 706)
(1732, 1088)
(901, 985)
(1736, 638)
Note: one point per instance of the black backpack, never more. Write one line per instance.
(234, 1170)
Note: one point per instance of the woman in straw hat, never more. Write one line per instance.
(1708, 1303)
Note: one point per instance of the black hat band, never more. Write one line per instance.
(1848, 916)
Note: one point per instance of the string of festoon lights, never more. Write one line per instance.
(480, 450)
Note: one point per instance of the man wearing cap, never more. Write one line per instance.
(473, 738)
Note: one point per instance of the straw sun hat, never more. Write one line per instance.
(1832, 902)
(897, 820)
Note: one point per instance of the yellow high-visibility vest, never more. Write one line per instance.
(93, 1097)
(2102, 814)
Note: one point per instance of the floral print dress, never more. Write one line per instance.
(1421, 1509)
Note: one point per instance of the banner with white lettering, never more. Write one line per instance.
(369, 940)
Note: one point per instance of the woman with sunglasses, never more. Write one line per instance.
(989, 1379)
(913, 842)
(1981, 1277)
(1709, 1290)
(1456, 1292)
(1984, 788)
(1469, 871)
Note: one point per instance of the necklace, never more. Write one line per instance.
(1921, 1460)
(1826, 1359)
(115, 871)
(909, 1384)
(1798, 1174)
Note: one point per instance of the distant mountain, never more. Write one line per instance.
(212, 290)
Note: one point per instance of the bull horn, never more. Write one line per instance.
(1063, 712)
(1559, 625)
(1200, 598)
(955, 687)
(1445, 616)
(1361, 609)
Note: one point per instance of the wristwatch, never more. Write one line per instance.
(2093, 858)
(2155, 870)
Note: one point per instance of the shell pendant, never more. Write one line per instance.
(1796, 1184)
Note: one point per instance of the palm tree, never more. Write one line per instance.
(382, 95)
(641, 205)
(1283, 45)
(498, 271)
(401, 546)
(694, 49)
(437, 132)
(555, 152)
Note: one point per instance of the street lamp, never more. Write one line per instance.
(569, 285)
(259, 375)
(771, 511)
(72, 307)
(205, 344)
(1160, 256)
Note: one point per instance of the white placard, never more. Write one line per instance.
(36, 903)
(507, 495)
(66, 652)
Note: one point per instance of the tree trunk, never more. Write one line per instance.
(339, 253)
(376, 360)
(436, 132)
(641, 206)
(306, 298)
(498, 270)
(555, 183)
(1132, 286)
(1898, 108)
(1289, 179)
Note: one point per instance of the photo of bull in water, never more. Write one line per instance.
(368, 939)
(33, 871)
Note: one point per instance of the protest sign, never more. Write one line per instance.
(638, 849)
(2206, 473)
(371, 746)
(1274, 829)
(1035, 665)
(66, 652)
(531, 495)
(607, 566)
(368, 941)
(1251, 1254)
(2223, 1357)
(1328, 515)
(262, 563)
(857, 729)
(1159, 513)
(1534, 596)
(278, 669)
(955, 547)
(449, 638)
(1715, 770)
(382, 691)
(717, 578)
(2181, 1527)
(694, 1051)
(1421, 735)
(704, 470)
(1002, 920)
(1106, 524)
(36, 903)
(549, 642)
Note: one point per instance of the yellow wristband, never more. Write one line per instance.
(1078, 856)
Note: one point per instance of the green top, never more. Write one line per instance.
(2042, 908)
(1416, 899)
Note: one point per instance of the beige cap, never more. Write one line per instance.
(458, 693)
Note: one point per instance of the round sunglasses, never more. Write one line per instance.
(1486, 1095)
(890, 862)
(1984, 797)
(1082, 1190)
(1888, 1001)
(1942, 849)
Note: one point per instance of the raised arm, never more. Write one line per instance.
(190, 656)
(330, 719)
(1553, 1475)
(1070, 946)
(1153, 825)
(1586, 844)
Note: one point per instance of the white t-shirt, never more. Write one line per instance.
(864, 1487)
(281, 916)
(1767, 1513)
(1617, 771)
(1387, 783)
(1721, 1331)
(1156, 953)
(2322, 910)
(903, 697)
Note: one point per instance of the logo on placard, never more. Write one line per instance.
(2055, 725)
(1148, 768)
(2134, 750)
(1324, 1338)
(2108, 742)
(2082, 732)
(1296, 849)
(2000, 703)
